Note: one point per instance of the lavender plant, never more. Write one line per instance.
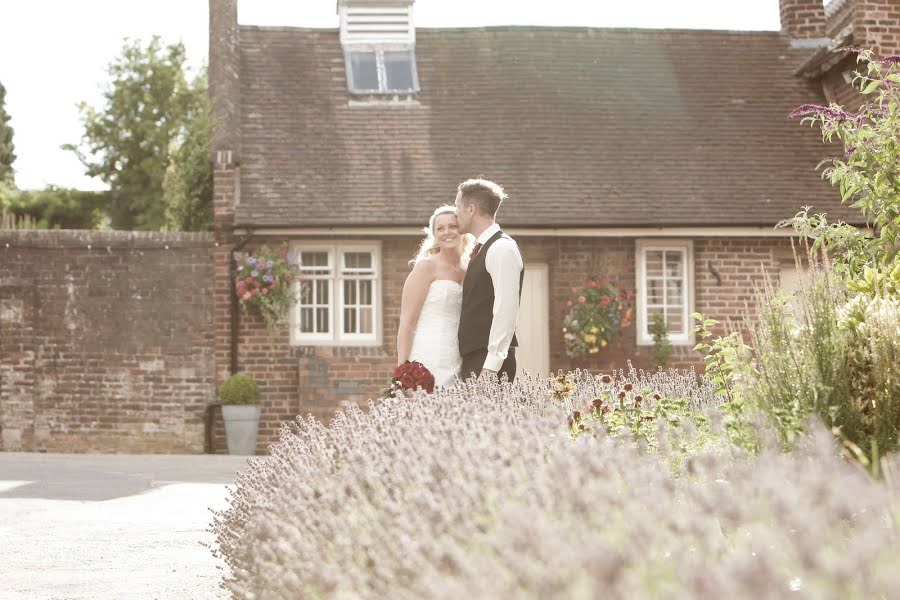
(481, 492)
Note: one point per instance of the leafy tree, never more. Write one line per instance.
(188, 183)
(126, 142)
(7, 154)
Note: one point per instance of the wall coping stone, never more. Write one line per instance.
(81, 238)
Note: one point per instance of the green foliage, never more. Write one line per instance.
(662, 347)
(126, 142)
(240, 388)
(56, 208)
(868, 175)
(267, 281)
(7, 148)
(730, 368)
(188, 183)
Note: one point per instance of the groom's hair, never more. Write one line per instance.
(487, 195)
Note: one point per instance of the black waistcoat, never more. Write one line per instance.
(478, 303)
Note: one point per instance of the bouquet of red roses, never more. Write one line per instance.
(409, 376)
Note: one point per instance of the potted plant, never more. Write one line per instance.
(239, 395)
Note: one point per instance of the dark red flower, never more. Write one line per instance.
(408, 382)
(605, 379)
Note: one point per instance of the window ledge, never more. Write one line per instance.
(385, 100)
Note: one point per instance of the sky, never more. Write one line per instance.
(54, 53)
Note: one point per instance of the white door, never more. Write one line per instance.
(533, 330)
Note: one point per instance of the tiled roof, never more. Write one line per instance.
(583, 127)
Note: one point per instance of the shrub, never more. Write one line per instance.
(480, 492)
(240, 388)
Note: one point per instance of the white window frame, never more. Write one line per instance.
(336, 278)
(686, 247)
(380, 68)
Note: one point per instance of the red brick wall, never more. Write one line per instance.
(106, 341)
(318, 380)
(876, 24)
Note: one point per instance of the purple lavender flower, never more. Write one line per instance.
(267, 278)
(255, 273)
(893, 59)
(806, 109)
(251, 260)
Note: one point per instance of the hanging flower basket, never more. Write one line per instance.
(598, 312)
(265, 283)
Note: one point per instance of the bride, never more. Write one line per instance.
(432, 297)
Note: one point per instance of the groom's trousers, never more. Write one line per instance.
(473, 361)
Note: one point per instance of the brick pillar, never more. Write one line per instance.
(17, 353)
(803, 19)
(876, 25)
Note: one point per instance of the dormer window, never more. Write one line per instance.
(379, 42)
(381, 71)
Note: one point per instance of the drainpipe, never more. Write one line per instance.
(210, 408)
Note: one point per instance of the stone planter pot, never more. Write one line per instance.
(241, 427)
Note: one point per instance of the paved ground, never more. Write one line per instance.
(110, 526)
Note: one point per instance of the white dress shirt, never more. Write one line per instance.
(504, 264)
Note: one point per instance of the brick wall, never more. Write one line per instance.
(106, 341)
(876, 24)
(318, 380)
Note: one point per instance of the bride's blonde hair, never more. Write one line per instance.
(430, 245)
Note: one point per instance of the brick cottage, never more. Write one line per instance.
(659, 158)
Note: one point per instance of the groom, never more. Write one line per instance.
(492, 287)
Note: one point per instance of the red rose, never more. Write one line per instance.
(408, 382)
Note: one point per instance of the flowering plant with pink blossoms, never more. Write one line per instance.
(265, 281)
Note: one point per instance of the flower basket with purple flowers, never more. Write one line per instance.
(268, 282)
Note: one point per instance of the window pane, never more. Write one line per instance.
(306, 293)
(654, 263)
(314, 259)
(398, 69)
(364, 71)
(673, 263)
(365, 292)
(674, 291)
(673, 320)
(306, 320)
(654, 291)
(322, 294)
(366, 321)
(322, 320)
(358, 260)
(349, 320)
(350, 292)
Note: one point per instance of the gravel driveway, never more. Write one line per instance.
(110, 526)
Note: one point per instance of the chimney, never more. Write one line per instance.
(803, 21)
(876, 25)
(224, 81)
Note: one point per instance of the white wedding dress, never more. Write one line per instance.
(435, 340)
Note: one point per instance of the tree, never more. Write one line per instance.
(55, 208)
(7, 154)
(126, 143)
(188, 184)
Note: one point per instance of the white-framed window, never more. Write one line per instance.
(665, 287)
(340, 298)
(381, 70)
